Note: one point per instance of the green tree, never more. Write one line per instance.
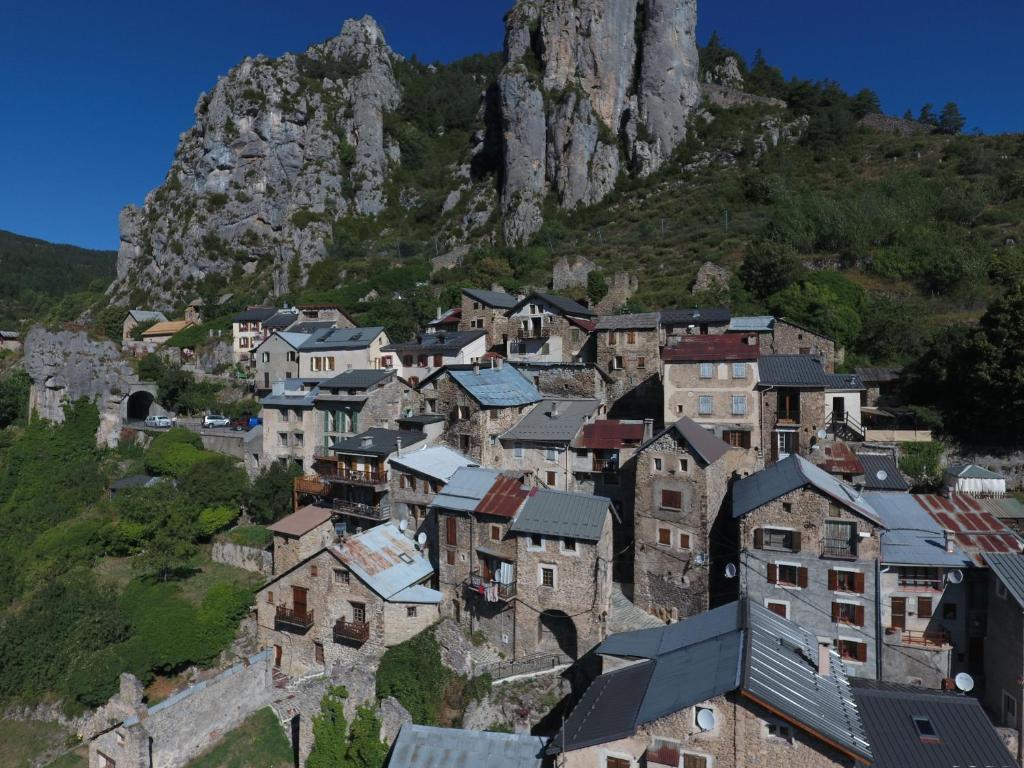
(865, 102)
(330, 744)
(169, 543)
(412, 672)
(951, 122)
(270, 497)
(769, 267)
(819, 308)
(927, 115)
(215, 480)
(14, 389)
(365, 749)
(597, 286)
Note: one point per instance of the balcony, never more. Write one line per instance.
(289, 620)
(938, 638)
(533, 333)
(839, 549)
(359, 509)
(604, 465)
(346, 631)
(480, 586)
(312, 484)
(332, 472)
(789, 416)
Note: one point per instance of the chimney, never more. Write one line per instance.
(554, 409)
(499, 361)
(648, 429)
(398, 446)
(824, 658)
(438, 317)
(948, 539)
(367, 441)
(476, 368)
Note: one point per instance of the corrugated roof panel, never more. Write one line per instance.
(562, 514)
(791, 371)
(465, 489)
(424, 746)
(504, 498)
(437, 461)
(496, 387)
(385, 559)
(553, 420)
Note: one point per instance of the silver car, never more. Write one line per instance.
(215, 420)
(158, 421)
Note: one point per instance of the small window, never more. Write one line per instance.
(495, 533)
(318, 652)
(410, 611)
(266, 357)
(517, 450)
(552, 479)
(778, 608)
(705, 405)
(314, 571)
(270, 598)
(641, 363)
(631, 337)
(341, 576)
(536, 541)
(671, 499)
(789, 575)
(664, 536)
(684, 541)
(852, 650)
(695, 761)
(787, 507)
(618, 363)
(359, 612)
(611, 338)
(550, 454)
(739, 370)
(707, 370)
(776, 730)
(449, 556)
(925, 730)
(569, 544)
(683, 465)
(547, 577)
(657, 465)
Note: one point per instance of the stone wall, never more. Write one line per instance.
(621, 288)
(571, 273)
(812, 418)
(789, 339)
(471, 435)
(566, 380)
(247, 558)
(631, 359)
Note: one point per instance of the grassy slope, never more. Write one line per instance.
(20, 742)
(258, 743)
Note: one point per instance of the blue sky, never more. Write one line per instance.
(95, 94)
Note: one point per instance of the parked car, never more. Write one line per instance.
(241, 424)
(215, 420)
(158, 421)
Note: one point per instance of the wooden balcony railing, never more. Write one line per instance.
(346, 631)
(312, 484)
(370, 511)
(932, 638)
(478, 585)
(790, 416)
(604, 465)
(533, 333)
(289, 620)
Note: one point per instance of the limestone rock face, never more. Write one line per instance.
(279, 148)
(591, 87)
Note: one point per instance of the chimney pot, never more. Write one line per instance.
(438, 313)
(476, 368)
(554, 409)
(499, 361)
(949, 541)
(824, 658)
(398, 446)
(648, 429)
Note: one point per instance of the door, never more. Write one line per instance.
(299, 600)
(1009, 711)
(318, 652)
(838, 409)
(277, 655)
(898, 609)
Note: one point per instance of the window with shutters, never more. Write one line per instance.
(778, 607)
(737, 438)
(848, 613)
(552, 480)
(611, 338)
(839, 539)
(684, 541)
(695, 761)
(671, 499)
(451, 531)
(631, 337)
(495, 533)
(924, 607)
(846, 581)
(314, 571)
(437, 361)
(665, 536)
(318, 652)
(617, 762)
(788, 575)
(778, 539)
(449, 556)
(641, 363)
(270, 597)
(852, 650)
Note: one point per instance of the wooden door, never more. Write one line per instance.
(277, 655)
(485, 569)
(898, 619)
(299, 600)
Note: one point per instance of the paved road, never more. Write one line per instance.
(194, 424)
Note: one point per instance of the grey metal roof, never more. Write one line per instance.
(309, 326)
(358, 378)
(794, 472)
(878, 375)
(440, 343)
(553, 421)
(1009, 569)
(496, 387)
(881, 473)
(849, 381)
(752, 324)
(377, 442)
(341, 338)
(708, 447)
(466, 489)
(562, 514)
(791, 371)
(388, 562)
(964, 733)
(560, 303)
(644, 320)
(288, 393)
(145, 315)
(425, 746)
(437, 461)
(973, 471)
(253, 313)
(281, 319)
(696, 316)
(912, 537)
(492, 298)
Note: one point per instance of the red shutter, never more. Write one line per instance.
(801, 577)
(924, 607)
(759, 538)
(451, 531)
(773, 573)
(858, 615)
(833, 580)
(437, 361)
(796, 541)
(862, 651)
(835, 612)
(858, 583)
(671, 499)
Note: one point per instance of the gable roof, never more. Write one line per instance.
(881, 473)
(711, 348)
(701, 441)
(466, 489)
(608, 434)
(425, 746)
(973, 471)
(807, 328)
(358, 378)
(309, 326)
(452, 315)
(387, 561)
(696, 316)
(495, 387)
(495, 299)
(377, 442)
(563, 305)
(878, 375)
(289, 393)
(250, 314)
(439, 343)
(788, 475)
(974, 522)
(562, 514)
(640, 321)
(844, 381)
(791, 371)
(291, 338)
(146, 315)
(281, 319)
(167, 328)
(504, 497)
(435, 461)
(964, 733)
(553, 420)
(302, 521)
(341, 338)
(911, 535)
(1009, 569)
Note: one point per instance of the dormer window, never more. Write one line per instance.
(925, 729)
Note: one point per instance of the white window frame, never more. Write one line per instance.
(701, 400)
(848, 639)
(706, 370)
(741, 401)
(575, 552)
(531, 547)
(739, 368)
(518, 451)
(551, 454)
(266, 357)
(842, 569)
(788, 563)
(789, 607)
(540, 575)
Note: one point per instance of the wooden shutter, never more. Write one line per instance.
(858, 583)
(664, 536)
(695, 761)
(835, 612)
(773, 573)
(759, 538)
(833, 580)
(449, 556)
(437, 361)
(861, 650)
(801, 577)
(451, 531)
(684, 541)
(671, 499)
(858, 615)
(924, 607)
(796, 541)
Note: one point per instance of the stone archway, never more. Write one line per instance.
(139, 403)
(556, 633)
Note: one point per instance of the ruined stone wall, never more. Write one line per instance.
(573, 273)
(247, 558)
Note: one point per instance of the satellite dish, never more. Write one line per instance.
(421, 539)
(402, 525)
(730, 571)
(964, 682)
(955, 577)
(822, 434)
(881, 474)
(705, 719)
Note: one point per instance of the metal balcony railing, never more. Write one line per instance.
(478, 585)
(842, 549)
(370, 511)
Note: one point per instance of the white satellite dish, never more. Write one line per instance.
(705, 719)
(421, 539)
(881, 474)
(730, 571)
(964, 682)
(955, 577)
(822, 434)
(402, 525)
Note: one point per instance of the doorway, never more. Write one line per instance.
(299, 600)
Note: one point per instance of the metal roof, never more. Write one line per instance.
(554, 420)
(281, 319)
(711, 348)
(387, 561)
(973, 471)
(134, 481)
(848, 381)
(302, 521)
(791, 473)
(878, 375)
(358, 378)
(504, 497)
(609, 434)
(437, 461)
(912, 537)
(881, 473)
(167, 328)
(838, 459)
(449, 315)
(701, 441)
(145, 315)
(288, 393)
(253, 313)
(496, 387)
(973, 521)
(341, 338)
(563, 305)
(791, 371)
(309, 326)
(1005, 507)
(439, 343)
(696, 316)
(466, 488)
(964, 735)
(425, 746)
(643, 320)
(563, 514)
(752, 324)
(377, 442)
(491, 298)
(1009, 569)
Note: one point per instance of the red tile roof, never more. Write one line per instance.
(711, 347)
(609, 434)
(586, 325)
(973, 522)
(505, 497)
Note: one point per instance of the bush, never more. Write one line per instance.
(921, 462)
(412, 672)
(214, 519)
(214, 480)
(174, 460)
(270, 497)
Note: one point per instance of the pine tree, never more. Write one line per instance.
(927, 116)
(951, 122)
(908, 115)
(330, 742)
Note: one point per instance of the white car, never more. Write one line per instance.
(158, 421)
(215, 420)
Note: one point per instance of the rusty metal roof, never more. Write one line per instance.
(711, 348)
(609, 434)
(973, 522)
(301, 522)
(388, 562)
(504, 498)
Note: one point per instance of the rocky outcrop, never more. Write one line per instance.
(590, 88)
(279, 148)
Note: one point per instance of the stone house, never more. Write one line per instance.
(324, 313)
(1004, 638)
(681, 479)
(330, 351)
(793, 411)
(547, 328)
(10, 341)
(538, 445)
(602, 459)
(289, 424)
(789, 338)
(485, 311)
(574, 380)
(809, 547)
(734, 687)
(627, 349)
(351, 477)
(136, 317)
(881, 386)
(358, 400)
(679, 323)
(479, 404)
(711, 379)
(352, 597)
(161, 333)
(276, 358)
(417, 359)
(247, 331)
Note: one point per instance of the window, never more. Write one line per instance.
(547, 577)
(318, 652)
(787, 575)
(737, 438)
(568, 545)
(314, 571)
(493, 414)
(776, 730)
(410, 611)
(461, 412)
(536, 541)
(617, 363)
(924, 607)
(664, 536)
(852, 650)
(412, 483)
(359, 612)
(707, 370)
(848, 613)
(705, 405)
(449, 556)
(517, 450)
(657, 465)
(684, 541)
(739, 405)
(617, 762)
(437, 361)
(401, 481)
(451, 531)
(421, 361)
(919, 578)
(495, 533)
(270, 598)
(282, 439)
(779, 539)
(778, 608)
(631, 337)
(266, 357)
(739, 370)
(695, 761)
(925, 730)
(787, 508)
(551, 479)
(683, 465)
(641, 363)
(106, 762)
(846, 581)
(671, 499)
(341, 576)
(611, 338)
(407, 360)
(839, 539)
(550, 454)
(298, 439)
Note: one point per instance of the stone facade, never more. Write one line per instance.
(675, 507)
(621, 288)
(539, 332)
(343, 414)
(631, 359)
(549, 463)
(790, 421)
(477, 315)
(247, 558)
(810, 579)
(410, 494)
(571, 274)
(1004, 663)
(790, 339)
(289, 550)
(275, 359)
(567, 379)
(289, 434)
